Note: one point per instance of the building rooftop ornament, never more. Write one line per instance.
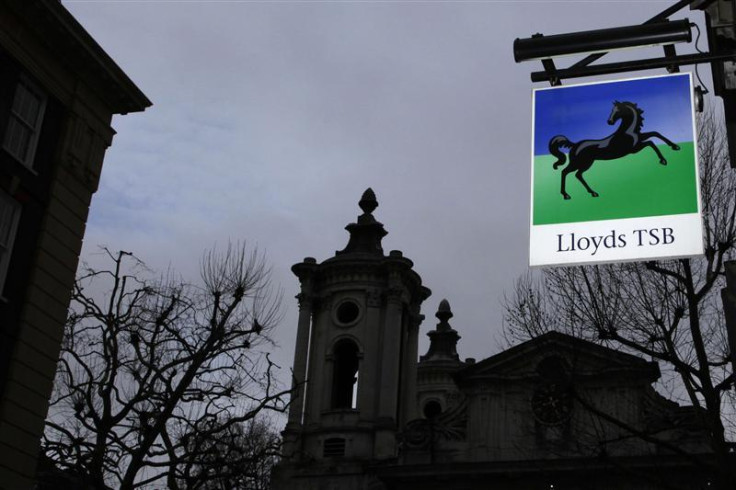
(368, 202)
(442, 340)
(367, 233)
(444, 313)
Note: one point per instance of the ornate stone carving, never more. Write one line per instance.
(305, 300)
(415, 320)
(450, 425)
(551, 405)
(395, 295)
(454, 399)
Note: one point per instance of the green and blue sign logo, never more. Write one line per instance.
(607, 156)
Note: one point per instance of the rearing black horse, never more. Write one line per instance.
(627, 139)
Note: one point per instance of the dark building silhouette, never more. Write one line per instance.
(555, 412)
(58, 93)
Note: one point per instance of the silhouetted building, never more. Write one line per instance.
(555, 412)
(58, 93)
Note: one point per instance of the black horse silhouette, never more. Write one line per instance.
(627, 139)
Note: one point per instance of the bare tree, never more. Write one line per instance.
(239, 458)
(146, 364)
(669, 311)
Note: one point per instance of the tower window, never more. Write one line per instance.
(347, 312)
(345, 375)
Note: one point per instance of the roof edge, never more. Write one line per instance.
(130, 98)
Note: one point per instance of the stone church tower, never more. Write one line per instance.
(555, 411)
(355, 365)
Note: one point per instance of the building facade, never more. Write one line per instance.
(555, 412)
(58, 93)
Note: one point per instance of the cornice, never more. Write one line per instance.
(63, 36)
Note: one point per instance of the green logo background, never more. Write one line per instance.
(635, 186)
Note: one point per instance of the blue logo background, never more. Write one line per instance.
(581, 111)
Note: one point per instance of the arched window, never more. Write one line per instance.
(345, 374)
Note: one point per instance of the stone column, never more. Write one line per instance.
(386, 423)
(292, 433)
(391, 350)
(301, 354)
(411, 357)
(320, 361)
(370, 389)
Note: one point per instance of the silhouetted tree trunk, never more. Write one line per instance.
(669, 311)
(148, 364)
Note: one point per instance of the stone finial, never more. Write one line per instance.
(368, 202)
(366, 233)
(444, 312)
(442, 340)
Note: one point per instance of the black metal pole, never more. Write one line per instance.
(657, 18)
(600, 40)
(625, 66)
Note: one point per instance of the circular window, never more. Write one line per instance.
(551, 405)
(347, 312)
(432, 409)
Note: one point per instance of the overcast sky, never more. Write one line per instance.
(271, 118)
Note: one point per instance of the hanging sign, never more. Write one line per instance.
(614, 172)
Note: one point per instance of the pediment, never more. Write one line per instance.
(584, 358)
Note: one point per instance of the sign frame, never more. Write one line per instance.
(630, 225)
